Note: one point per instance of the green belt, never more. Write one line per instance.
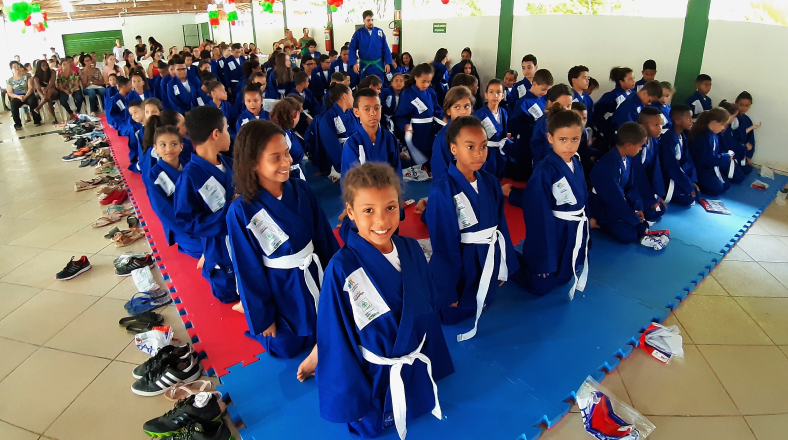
(366, 64)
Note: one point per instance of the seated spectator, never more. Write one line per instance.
(20, 92)
(44, 82)
(92, 82)
(69, 85)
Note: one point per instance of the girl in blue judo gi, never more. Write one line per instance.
(285, 115)
(472, 249)
(555, 211)
(381, 344)
(714, 165)
(419, 109)
(336, 124)
(494, 120)
(253, 106)
(281, 241)
(459, 102)
(160, 177)
(202, 196)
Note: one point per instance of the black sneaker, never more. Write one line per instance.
(201, 407)
(133, 264)
(182, 352)
(205, 431)
(74, 268)
(169, 372)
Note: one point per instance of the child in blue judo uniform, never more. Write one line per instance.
(459, 102)
(253, 106)
(523, 116)
(118, 108)
(578, 80)
(160, 180)
(184, 91)
(714, 165)
(614, 203)
(374, 56)
(218, 94)
(555, 211)
(381, 347)
(607, 105)
(678, 169)
(744, 129)
(136, 116)
(418, 111)
(729, 141)
(629, 110)
(285, 115)
(472, 249)
(662, 105)
(647, 164)
(494, 120)
(699, 101)
(202, 196)
(281, 241)
(335, 126)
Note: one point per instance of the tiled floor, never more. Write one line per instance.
(65, 368)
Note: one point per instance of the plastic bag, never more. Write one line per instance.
(144, 281)
(662, 343)
(607, 418)
(767, 172)
(153, 341)
(759, 185)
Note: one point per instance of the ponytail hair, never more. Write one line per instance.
(553, 94)
(421, 69)
(618, 74)
(729, 106)
(335, 92)
(166, 129)
(717, 114)
(167, 117)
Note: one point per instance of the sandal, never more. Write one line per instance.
(139, 327)
(138, 305)
(144, 318)
(123, 240)
(183, 390)
(114, 231)
(133, 222)
(82, 185)
(108, 219)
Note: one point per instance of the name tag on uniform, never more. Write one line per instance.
(380, 33)
(521, 90)
(389, 100)
(199, 102)
(212, 192)
(640, 87)
(563, 194)
(244, 121)
(419, 105)
(165, 183)
(663, 119)
(365, 300)
(465, 215)
(231, 65)
(389, 76)
(268, 233)
(339, 125)
(121, 105)
(176, 90)
(535, 111)
(221, 64)
(489, 127)
(620, 99)
(735, 124)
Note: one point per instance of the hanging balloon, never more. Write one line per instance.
(333, 8)
(445, 2)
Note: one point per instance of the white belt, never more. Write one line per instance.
(301, 260)
(731, 169)
(300, 171)
(671, 188)
(418, 157)
(578, 216)
(488, 236)
(342, 140)
(496, 144)
(398, 402)
(421, 120)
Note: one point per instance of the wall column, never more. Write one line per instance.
(505, 26)
(696, 24)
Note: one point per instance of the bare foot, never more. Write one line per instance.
(307, 368)
(506, 189)
(593, 223)
(201, 262)
(420, 207)
(239, 307)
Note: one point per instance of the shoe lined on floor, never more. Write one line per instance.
(205, 431)
(169, 351)
(182, 391)
(74, 268)
(133, 264)
(166, 374)
(201, 407)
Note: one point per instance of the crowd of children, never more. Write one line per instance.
(222, 161)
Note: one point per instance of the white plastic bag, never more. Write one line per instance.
(607, 418)
(153, 341)
(662, 343)
(426, 247)
(767, 172)
(144, 281)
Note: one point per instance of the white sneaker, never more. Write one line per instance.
(652, 242)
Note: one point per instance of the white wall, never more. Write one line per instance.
(598, 42)
(747, 56)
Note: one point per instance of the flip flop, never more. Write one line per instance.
(123, 240)
(108, 219)
(152, 318)
(184, 390)
(138, 327)
(143, 297)
(140, 305)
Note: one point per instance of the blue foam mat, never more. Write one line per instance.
(531, 353)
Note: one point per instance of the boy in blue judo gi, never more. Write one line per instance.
(523, 117)
(374, 55)
(555, 212)
(699, 101)
(495, 122)
(281, 241)
(578, 80)
(233, 69)
(381, 347)
(629, 110)
(647, 165)
(184, 91)
(678, 170)
(529, 66)
(202, 196)
(744, 129)
(118, 109)
(614, 203)
(649, 73)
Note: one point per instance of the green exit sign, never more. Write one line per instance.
(438, 28)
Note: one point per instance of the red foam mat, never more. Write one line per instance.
(217, 330)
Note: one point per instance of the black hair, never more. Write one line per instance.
(618, 74)
(236, 46)
(744, 95)
(138, 37)
(202, 121)
(679, 110)
(369, 81)
(367, 13)
(650, 65)
(300, 77)
(205, 54)
(558, 91)
(543, 77)
(249, 66)
(410, 65)
(212, 85)
(648, 112)
(530, 58)
(653, 88)
(440, 55)
(165, 129)
(494, 81)
(592, 82)
(631, 133)
(332, 53)
(337, 77)
(462, 79)
(563, 119)
(312, 43)
(702, 78)
(575, 72)
(579, 106)
(458, 124)
(167, 117)
(142, 76)
(323, 58)
(135, 103)
(251, 141)
(336, 91)
(162, 65)
(306, 57)
(365, 93)
(467, 49)
(464, 63)
(122, 81)
(178, 60)
(421, 69)
(206, 76)
(511, 72)
(253, 87)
